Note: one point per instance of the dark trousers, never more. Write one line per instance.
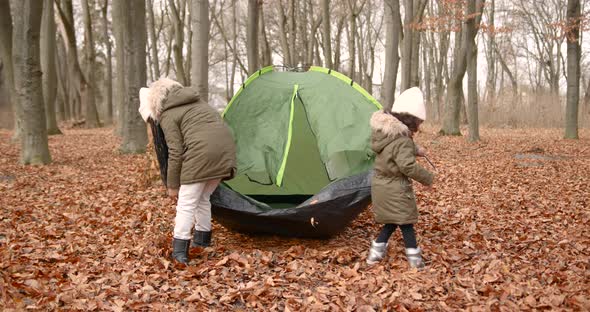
(407, 232)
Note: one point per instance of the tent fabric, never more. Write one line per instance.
(272, 117)
(323, 215)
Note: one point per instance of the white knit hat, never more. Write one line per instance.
(145, 104)
(411, 102)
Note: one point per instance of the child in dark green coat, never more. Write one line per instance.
(394, 201)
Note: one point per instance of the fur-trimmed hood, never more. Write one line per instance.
(164, 94)
(385, 128)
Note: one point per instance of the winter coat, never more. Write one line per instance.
(200, 145)
(395, 164)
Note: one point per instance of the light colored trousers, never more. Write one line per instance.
(194, 208)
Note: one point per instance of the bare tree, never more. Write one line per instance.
(129, 24)
(407, 44)
(327, 42)
(416, 35)
(471, 55)
(339, 29)
(286, 45)
(6, 58)
(62, 89)
(393, 30)
(252, 36)
(177, 47)
(153, 39)
(266, 54)
(27, 82)
(80, 90)
(90, 56)
(540, 21)
(118, 15)
(490, 90)
(454, 87)
(310, 39)
(48, 58)
(354, 11)
(109, 64)
(200, 38)
(573, 68)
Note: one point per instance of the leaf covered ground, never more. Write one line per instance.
(506, 227)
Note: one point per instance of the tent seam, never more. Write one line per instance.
(281, 172)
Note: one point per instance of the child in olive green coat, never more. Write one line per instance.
(201, 153)
(394, 201)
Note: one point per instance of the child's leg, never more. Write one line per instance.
(409, 235)
(385, 233)
(188, 198)
(413, 253)
(203, 211)
(379, 246)
(202, 233)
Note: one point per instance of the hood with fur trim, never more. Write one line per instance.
(163, 94)
(385, 128)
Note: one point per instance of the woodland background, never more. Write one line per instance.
(506, 226)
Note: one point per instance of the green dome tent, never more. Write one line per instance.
(303, 142)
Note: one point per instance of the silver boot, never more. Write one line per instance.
(377, 252)
(415, 258)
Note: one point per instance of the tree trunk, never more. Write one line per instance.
(415, 61)
(88, 88)
(200, 38)
(587, 98)
(352, 39)
(339, 28)
(315, 24)
(118, 12)
(48, 67)
(266, 55)
(80, 92)
(490, 91)
(407, 45)
(287, 58)
(134, 35)
(441, 71)
(506, 70)
(252, 36)
(60, 57)
(189, 49)
(6, 58)
(472, 97)
(153, 38)
(455, 86)
(292, 33)
(27, 82)
(109, 64)
(393, 22)
(327, 42)
(426, 70)
(573, 69)
(177, 47)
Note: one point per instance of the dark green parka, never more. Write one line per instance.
(394, 200)
(200, 144)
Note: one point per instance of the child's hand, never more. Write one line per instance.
(420, 151)
(173, 193)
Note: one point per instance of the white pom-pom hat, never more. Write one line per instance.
(411, 102)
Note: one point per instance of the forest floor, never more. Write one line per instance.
(506, 227)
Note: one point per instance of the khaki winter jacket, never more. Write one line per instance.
(395, 164)
(200, 144)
